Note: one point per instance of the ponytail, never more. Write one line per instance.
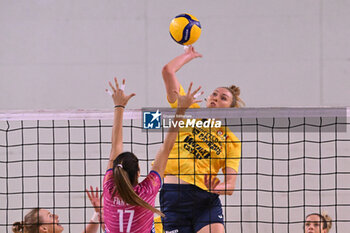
(125, 172)
(328, 221)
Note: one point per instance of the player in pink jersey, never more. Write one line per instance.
(40, 220)
(129, 205)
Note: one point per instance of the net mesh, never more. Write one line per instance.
(292, 164)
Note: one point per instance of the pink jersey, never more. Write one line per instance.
(121, 217)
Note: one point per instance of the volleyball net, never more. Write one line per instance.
(294, 161)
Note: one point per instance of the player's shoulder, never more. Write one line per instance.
(153, 175)
(232, 136)
(108, 174)
(228, 135)
(153, 179)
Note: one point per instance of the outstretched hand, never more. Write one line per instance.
(185, 101)
(192, 52)
(118, 95)
(94, 198)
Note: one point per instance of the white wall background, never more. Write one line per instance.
(60, 54)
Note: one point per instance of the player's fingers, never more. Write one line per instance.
(216, 182)
(122, 87)
(206, 179)
(212, 183)
(116, 83)
(111, 85)
(209, 182)
(189, 88)
(87, 192)
(195, 94)
(130, 96)
(92, 192)
(108, 92)
(95, 193)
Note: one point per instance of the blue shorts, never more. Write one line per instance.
(188, 208)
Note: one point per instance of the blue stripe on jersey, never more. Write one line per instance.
(160, 178)
(109, 169)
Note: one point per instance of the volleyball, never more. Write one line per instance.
(185, 29)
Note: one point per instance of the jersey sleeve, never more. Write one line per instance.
(182, 92)
(108, 181)
(152, 182)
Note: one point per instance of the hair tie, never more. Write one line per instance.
(120, 165)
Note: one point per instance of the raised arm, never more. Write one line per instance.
(97, 218)
(120, 101)
(172, 85)
(183, 103)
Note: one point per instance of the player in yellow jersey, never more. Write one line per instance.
(190, 194)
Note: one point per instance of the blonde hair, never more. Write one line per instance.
(30, 224)
(235, 91)
(328, 220)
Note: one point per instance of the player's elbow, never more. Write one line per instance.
(167, 71)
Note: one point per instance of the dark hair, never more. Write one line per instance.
(125, 171)
(30, 224)
(235, 91)
(325, 219)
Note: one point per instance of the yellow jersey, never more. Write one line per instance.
(158, 225)
(200, 151)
